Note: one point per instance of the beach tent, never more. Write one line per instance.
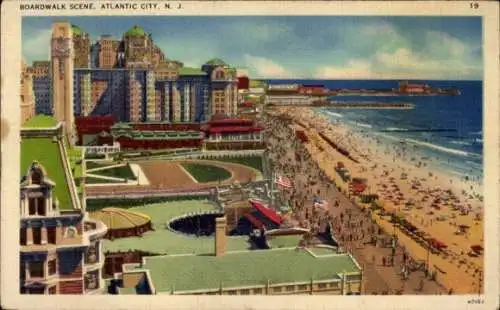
(477, 249)
(437, 244)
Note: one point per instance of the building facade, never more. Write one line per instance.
(60, 252)
(27, 95)
(129, 78)
(40, 71)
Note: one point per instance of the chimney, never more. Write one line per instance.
(220, 236)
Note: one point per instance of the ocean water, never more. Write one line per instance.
(458, 150)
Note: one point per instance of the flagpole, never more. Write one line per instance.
(272, 188)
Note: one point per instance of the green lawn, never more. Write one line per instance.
(284, 241)
(206, 173)
(46, 152)
(41, 121)
(250, 161)
(165, 241)
(123, 172)
(95, 164)
(185, 273)
(322, 251)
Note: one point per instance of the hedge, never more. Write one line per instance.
(95, 156)
(125, 203)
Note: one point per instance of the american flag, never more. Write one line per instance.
(283, 181)
(318, 203)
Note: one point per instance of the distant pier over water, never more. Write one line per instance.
(368, 105)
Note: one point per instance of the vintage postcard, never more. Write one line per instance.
(250, 155)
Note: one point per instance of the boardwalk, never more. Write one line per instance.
(353, 228)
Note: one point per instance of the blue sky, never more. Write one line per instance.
(332, 47)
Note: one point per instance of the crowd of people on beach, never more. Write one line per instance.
(352, 228)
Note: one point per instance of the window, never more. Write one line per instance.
(231, 292)
(22, 236)
(277, 289)
(36, 291)
(37, 235)
(321, 285)
(245, 292)
(257, 291)
(22, 271)
(290, 288)
(302, 287)
(31, 206)
(36, 269)
(52, 267)
(334, 284)
(41, 205)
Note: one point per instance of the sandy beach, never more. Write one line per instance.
(443, 207)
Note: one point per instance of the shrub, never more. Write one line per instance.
(125, 203)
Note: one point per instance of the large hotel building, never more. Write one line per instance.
(129, 78)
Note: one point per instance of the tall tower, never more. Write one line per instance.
(62, 76)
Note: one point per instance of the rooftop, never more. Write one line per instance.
(50, 158)
(191, 71)
(244, 268)
(136, 30)
(157, 134)
(285, 241)
(257, 84)
(77, 31)
(231, 129)
(116, 218)
(41, 121)
(164, 240)
(216, 62)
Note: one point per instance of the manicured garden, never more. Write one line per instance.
(41, 121)
(206, 173)
(250, 161)
(122, 172)
(94, 164)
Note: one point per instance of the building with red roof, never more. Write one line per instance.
(313, 90)
(270, 218)
(232, 130)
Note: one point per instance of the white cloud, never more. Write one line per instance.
(443, 44)
(418, 65)
(354, 69)
(36, 45)
(266, 68)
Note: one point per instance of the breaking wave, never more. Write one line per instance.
(438, 147)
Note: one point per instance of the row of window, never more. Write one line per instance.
(279, 289)
(37, 206)
(37, 235)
